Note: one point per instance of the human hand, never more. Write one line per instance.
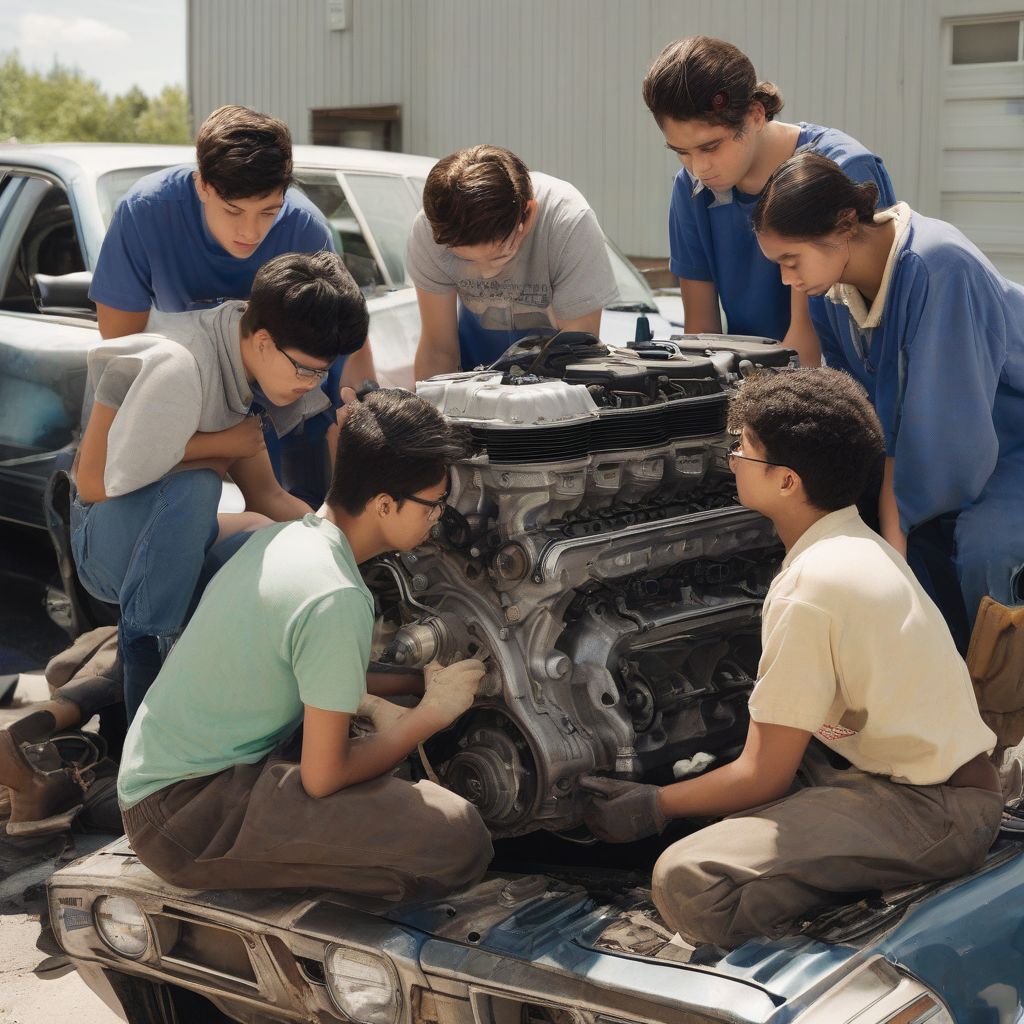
(449, 692)
(243, 439)
(349, 397)
(381, 713)
(620, 811)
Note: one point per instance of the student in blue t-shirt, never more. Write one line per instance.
(935, 334)
(185, 239)
(720, 121)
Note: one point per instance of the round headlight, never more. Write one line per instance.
(364, 987)
(122, 925)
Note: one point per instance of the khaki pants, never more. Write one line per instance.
(254, 827)
(755, 873)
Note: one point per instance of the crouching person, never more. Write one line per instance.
(281, 639)
(172, 415)
(860, 694)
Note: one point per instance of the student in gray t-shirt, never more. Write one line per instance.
(171, 416)
(499, 253)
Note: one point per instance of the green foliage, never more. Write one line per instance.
(63, 105)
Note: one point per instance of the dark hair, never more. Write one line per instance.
(809, 196)
(308, 302)
(242, 153)
(476, 195)
(705, 79)
(393, 443)
(819, 423)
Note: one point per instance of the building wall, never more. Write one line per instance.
(558, 81)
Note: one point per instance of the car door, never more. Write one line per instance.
(42, 357)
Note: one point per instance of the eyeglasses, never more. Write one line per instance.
(305, 372)
(437, 506)
(736, 452)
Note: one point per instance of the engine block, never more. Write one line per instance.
(594, 555)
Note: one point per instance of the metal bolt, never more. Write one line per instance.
(504, 634)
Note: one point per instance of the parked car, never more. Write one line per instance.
(55, 204)
(595, 557)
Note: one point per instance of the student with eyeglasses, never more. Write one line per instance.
(215, 787)
(173, 413)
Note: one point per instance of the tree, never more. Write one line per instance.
(63, 105)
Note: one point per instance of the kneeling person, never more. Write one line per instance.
(281, 639)
(857, 659)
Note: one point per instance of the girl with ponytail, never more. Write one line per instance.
(916, 312)
(720, 121)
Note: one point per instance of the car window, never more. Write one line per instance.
(47, 245)
(110, 187)
(389, 209)
(324, 190)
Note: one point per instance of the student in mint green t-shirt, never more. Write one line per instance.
(281, 639)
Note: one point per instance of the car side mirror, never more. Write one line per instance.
(63, 294)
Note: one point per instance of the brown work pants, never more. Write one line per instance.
(756, 872)
(255, 827)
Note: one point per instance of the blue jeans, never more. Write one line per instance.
(145, 551)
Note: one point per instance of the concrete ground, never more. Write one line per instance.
(37, 985)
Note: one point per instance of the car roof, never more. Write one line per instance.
(96, 158)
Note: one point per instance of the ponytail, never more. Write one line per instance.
(809, 196)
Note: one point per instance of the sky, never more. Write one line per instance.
(120, 43)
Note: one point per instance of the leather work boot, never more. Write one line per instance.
(43, 799)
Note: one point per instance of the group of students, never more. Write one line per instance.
(863, 717)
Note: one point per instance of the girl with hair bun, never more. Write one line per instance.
(916, 312)
(720, 121)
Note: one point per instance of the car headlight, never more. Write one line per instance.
(364, 987)
(121, 925)
(877, 993)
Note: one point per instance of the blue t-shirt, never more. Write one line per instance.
(159, 252)
(711, 237)
(944, 369)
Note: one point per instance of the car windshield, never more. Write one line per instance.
(110, 187)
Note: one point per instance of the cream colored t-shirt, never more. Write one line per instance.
(856, 652)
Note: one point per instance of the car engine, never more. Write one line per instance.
(594, 555)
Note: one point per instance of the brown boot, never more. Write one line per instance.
(42, 800)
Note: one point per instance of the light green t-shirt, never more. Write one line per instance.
(285, 623)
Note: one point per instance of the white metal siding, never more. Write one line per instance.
(558, 81)
(983, 155)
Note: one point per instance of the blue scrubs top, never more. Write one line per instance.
(711, 238)
(944, 369)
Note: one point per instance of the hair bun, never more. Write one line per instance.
(768, 95)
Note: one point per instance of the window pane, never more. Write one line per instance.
(389, 209)
(325, 192)
(988, 42)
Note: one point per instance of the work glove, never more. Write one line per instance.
(621, 811)
(449, 692)
(381, 713)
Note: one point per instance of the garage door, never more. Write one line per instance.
(983, 136)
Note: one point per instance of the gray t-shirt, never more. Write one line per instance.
(184, 375)
(561, 271)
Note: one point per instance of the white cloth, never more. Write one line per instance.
(855, 652)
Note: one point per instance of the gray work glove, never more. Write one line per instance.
(449, 692)
(621, 811)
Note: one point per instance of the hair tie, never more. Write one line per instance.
(720, 100)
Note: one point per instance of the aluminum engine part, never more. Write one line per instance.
(594, 553)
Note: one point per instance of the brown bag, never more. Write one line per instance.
(995, 659)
